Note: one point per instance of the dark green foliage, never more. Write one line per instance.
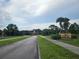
(53, 30)
(5, 32)
(12, 29)
(60, 20)
(64, 23)
(37, 31)
(0, 32)
(74, 36)
(74, 28)
(46, 32)
(55, 36)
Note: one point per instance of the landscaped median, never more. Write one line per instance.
(12, 40)
(49, 50)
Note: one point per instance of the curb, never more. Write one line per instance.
(38, 51)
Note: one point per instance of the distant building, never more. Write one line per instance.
(65, 35)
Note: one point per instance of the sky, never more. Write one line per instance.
(37, 14)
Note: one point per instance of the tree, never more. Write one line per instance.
(12, 29)
(54, 29)
(64, 23)
(74, 28)
(37, 31)
(5, 32)
(60, 20)
(46, 32)
(0, 32)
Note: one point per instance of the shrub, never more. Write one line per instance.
(74, 36)
(56, 36)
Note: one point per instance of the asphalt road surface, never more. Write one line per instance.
(25, 49)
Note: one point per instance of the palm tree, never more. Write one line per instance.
(64, 23)
(60, 20)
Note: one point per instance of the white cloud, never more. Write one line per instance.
(24, 8)
(74, 21)
(18, 20)
(38, 26)
(31, 7)
(17, 10)
(45, 25)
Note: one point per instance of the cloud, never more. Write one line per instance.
(20, 12)
(43, 26)
(46, 25)
(38, 26)
(4, 3)
(34, 8)
(19, 21)
(74, 21)
(31, 7)
(16, 10)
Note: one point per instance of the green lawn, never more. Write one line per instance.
(69, 41)
(52, 51)
(72, 41)
(11, 40)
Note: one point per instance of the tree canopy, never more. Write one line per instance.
(64, 23)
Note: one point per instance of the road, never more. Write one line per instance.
(25, 49)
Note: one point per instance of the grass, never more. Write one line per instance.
(72, 41)
(52, 51)
(69, 41)
(11, 40)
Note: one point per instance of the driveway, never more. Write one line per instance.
(25, 49)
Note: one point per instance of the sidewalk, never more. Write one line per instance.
(70, 47)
